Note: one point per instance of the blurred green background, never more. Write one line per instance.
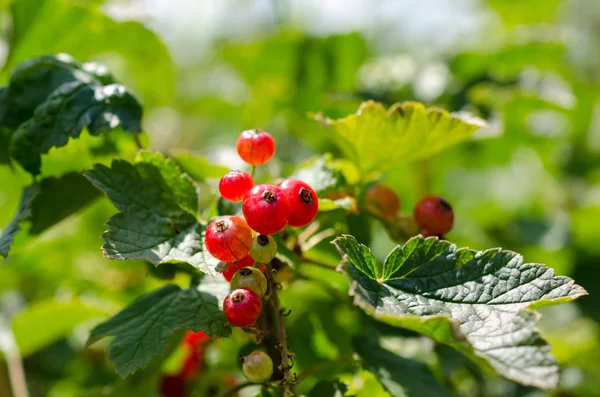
(206, 70)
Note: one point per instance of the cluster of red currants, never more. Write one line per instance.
(267, 209)
(433, 214)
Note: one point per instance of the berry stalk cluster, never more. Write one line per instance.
(246, 244)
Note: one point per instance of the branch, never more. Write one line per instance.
(282, 346)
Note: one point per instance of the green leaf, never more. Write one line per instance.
(47, 322)
(158, 225)
(7, 235)
(377, 140)
(328, 388)
(68, 110)
(144, 329)
(399, 376)
(58, 198)
(198, 168)
(322, 175)
(474, 301)
(139, 56)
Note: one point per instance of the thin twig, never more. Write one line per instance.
(281, 336)
(14, 362)
(232, 391)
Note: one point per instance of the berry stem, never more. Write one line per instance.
(253, 171)
(281, 335)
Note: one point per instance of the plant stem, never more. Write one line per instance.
(253, 171)
(281, 335)
(232, 391)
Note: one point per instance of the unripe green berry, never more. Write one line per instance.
(250, 278)
(263, 248)
(257, 367)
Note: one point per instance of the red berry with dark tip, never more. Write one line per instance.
(232, 268)
(266, 209)
(234, 185)
(303, 201)
(242, 307)
(255, 147)
(434, 215)
(228, 238)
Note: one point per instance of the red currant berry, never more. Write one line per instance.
(250, 278)
(382, 201)
(255, 147)
(303, 200)
(257, 367)
(434, 216)
(234, 185)
(242, 307)
(266, 209)
(234, 267)
(228, 238)
(263, 248)
(194, 339)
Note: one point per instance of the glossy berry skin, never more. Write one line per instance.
(228, 238)
(263, 248)
(195, 339)
(250, 278)
(434, 215)
(266, 209)
(255, 147)
(257, 367)
(303, 200)
(234, 267)
(234, 185)
(242, 307)
(382, 201)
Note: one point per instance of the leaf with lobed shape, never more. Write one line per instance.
(476, 301)
(377, 140)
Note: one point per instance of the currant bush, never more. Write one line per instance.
(242, 307)
(228, 238)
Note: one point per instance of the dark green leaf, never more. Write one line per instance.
(32, 81)
(475, 301)
(376, 139)
(58, 198)
(144, 329)
(399, 376)
(7, 235)
(158, 208)
(68, 110)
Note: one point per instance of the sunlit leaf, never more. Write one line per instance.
(474, 301)
(376, 139)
